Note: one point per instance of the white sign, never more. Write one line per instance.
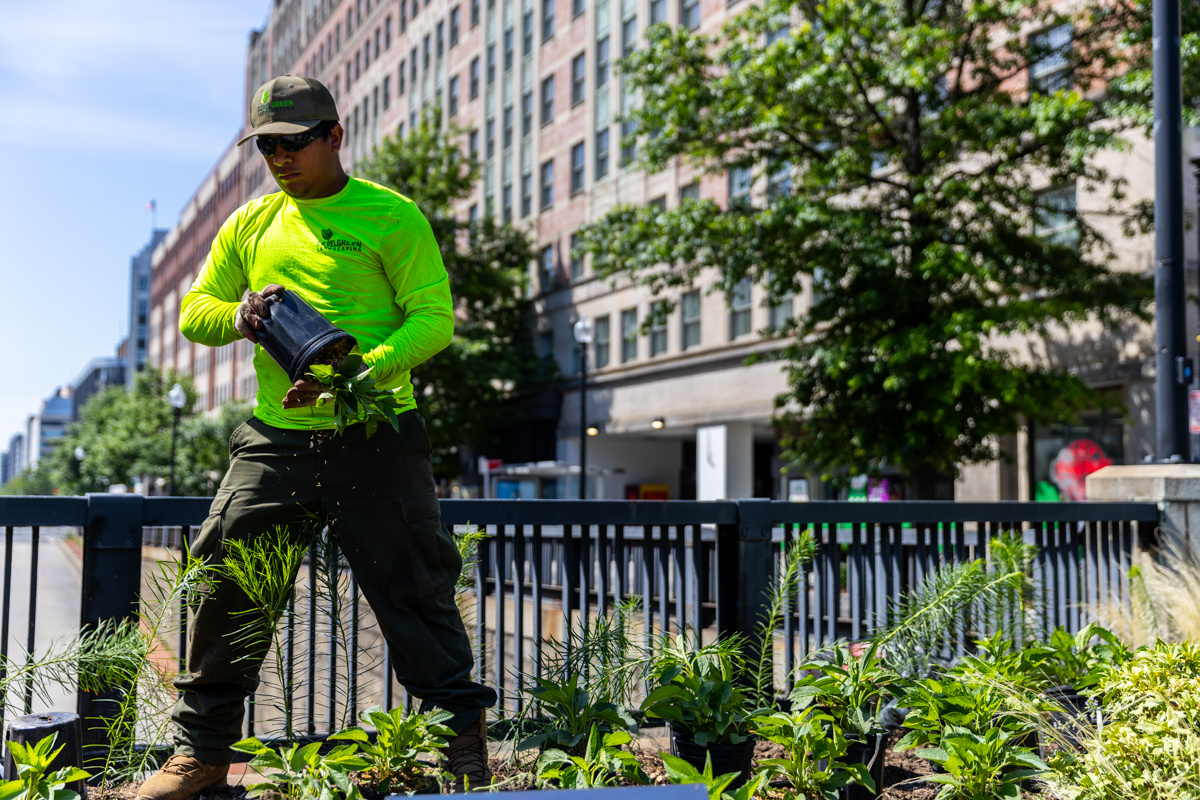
(1194, 411)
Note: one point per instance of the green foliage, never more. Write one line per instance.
(979, 766)
(304, 773)
(31, 481)
(569, 714)
(352, 391)
(466, 392)
(682, 772)
(813, 747)
(393, 759)
(602, 763)
(1080, 660)
(1147, 746)
(700, 689)
(912, 162)
(34, 780)
(851, 688)
(796, 552)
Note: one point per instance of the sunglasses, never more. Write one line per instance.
(293, 143)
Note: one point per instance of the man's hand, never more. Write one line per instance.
(253, 309)
(303, 393)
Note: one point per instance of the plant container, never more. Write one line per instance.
(32, 728)
(1071, 716)
(726, 758)
(870, 752)
(297, 336)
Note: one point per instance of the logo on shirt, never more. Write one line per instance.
(333, 243)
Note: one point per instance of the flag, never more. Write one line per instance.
(150, 206)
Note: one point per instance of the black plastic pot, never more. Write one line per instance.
(868, 751)
(32, 728)
(294, 333)
(726, 758)
(1069, 719)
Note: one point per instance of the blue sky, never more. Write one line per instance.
(107, 104)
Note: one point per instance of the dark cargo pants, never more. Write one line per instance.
(378, 495)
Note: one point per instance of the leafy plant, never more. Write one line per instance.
(393, 758)
(1079, 660)
(680, 771)
(796, 552)
(34, 779)
(974, 704)
(699, 689)
(570, 714)
(304, 773)
(602, 763)
(351, 389)
(813, 744)
(851, 688)
(981, 765)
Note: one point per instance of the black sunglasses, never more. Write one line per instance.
(293, 143)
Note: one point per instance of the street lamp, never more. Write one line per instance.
(177, 398)
(79, 456)
(583, 335)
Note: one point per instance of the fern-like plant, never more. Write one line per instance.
(355, 397)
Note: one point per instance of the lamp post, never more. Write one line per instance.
(177, 398)
(583, 335)
(79, 456)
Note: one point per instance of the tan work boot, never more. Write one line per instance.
(467, 755)
(182, 778)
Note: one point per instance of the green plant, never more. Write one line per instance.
(851, 688)
(569, 714)
(981, 765)
(964, 699)
(1079, 660)
(602, 763)
(813, 745)
(352, 391)
(304, 773)
(1148, 743)
(393, 758)
(699, 689)
(796, 552)
(33, 777)
(682, 772)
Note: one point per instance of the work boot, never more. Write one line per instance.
(183, 778)
(467, 755)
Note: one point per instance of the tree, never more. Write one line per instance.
(466, 391)
(903, 159)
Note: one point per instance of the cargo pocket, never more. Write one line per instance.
(433, 562)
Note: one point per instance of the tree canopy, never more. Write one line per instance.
(465, 392)
(900, 162)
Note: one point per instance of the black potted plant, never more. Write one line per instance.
(297, 336)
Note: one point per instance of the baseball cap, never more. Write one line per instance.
(289, 104)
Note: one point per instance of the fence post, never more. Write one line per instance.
(745, 568)
(111, 582)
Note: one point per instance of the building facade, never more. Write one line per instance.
(674, 409)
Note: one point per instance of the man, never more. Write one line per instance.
(365, 257)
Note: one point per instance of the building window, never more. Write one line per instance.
(601, 337)
(527, 32)
(387, 91)
(491, 63)
(578, 78)
(739, 309)
(548, 100)
(547, 184)
(601, 153)
(453, 96)
(629, 332)
(658, 329)
(425, 53)
(1055, 218)
(377, 36)
(740, 181)
(601, 61)
(412, 72)
(576, 258)
(387, 33)
(779, 180)
(690, 312)
(628, 142)
(547, 19)
(1051, 69)
(506, 202)
(508, 125)
(473, 144)
(474, 77)
(455, 16)
(546, 345)
(689, 192)
(441, 38)
(658, 11)
(473, 214)
(474, 13)
(779, 313)
(546, 273)
(577, 156)
(489, 137)
(508, 49)
(526, 194)
(526, 113)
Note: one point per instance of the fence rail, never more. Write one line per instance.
(548, 565)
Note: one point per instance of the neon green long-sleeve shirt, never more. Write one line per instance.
(365, 258)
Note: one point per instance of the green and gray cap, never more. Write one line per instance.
(289, 104)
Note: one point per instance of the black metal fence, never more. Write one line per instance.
(548, 565)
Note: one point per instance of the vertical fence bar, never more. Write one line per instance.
(696, 574)
(535, 568)
(352, 659)
(604, 571)
(519, 617)
(334, 629)
(833, 585)
(30, 644)
(679, 570)
(310, 720)
(854, 582)
(499, 575)
(4, 621)
(185, 545)
(661, 549)
(803, 609)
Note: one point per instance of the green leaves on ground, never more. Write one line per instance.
(34, 779)
(302, 773)
(351, 389)
(602, 763)
(393, 758)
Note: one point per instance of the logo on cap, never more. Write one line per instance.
(266, 98)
